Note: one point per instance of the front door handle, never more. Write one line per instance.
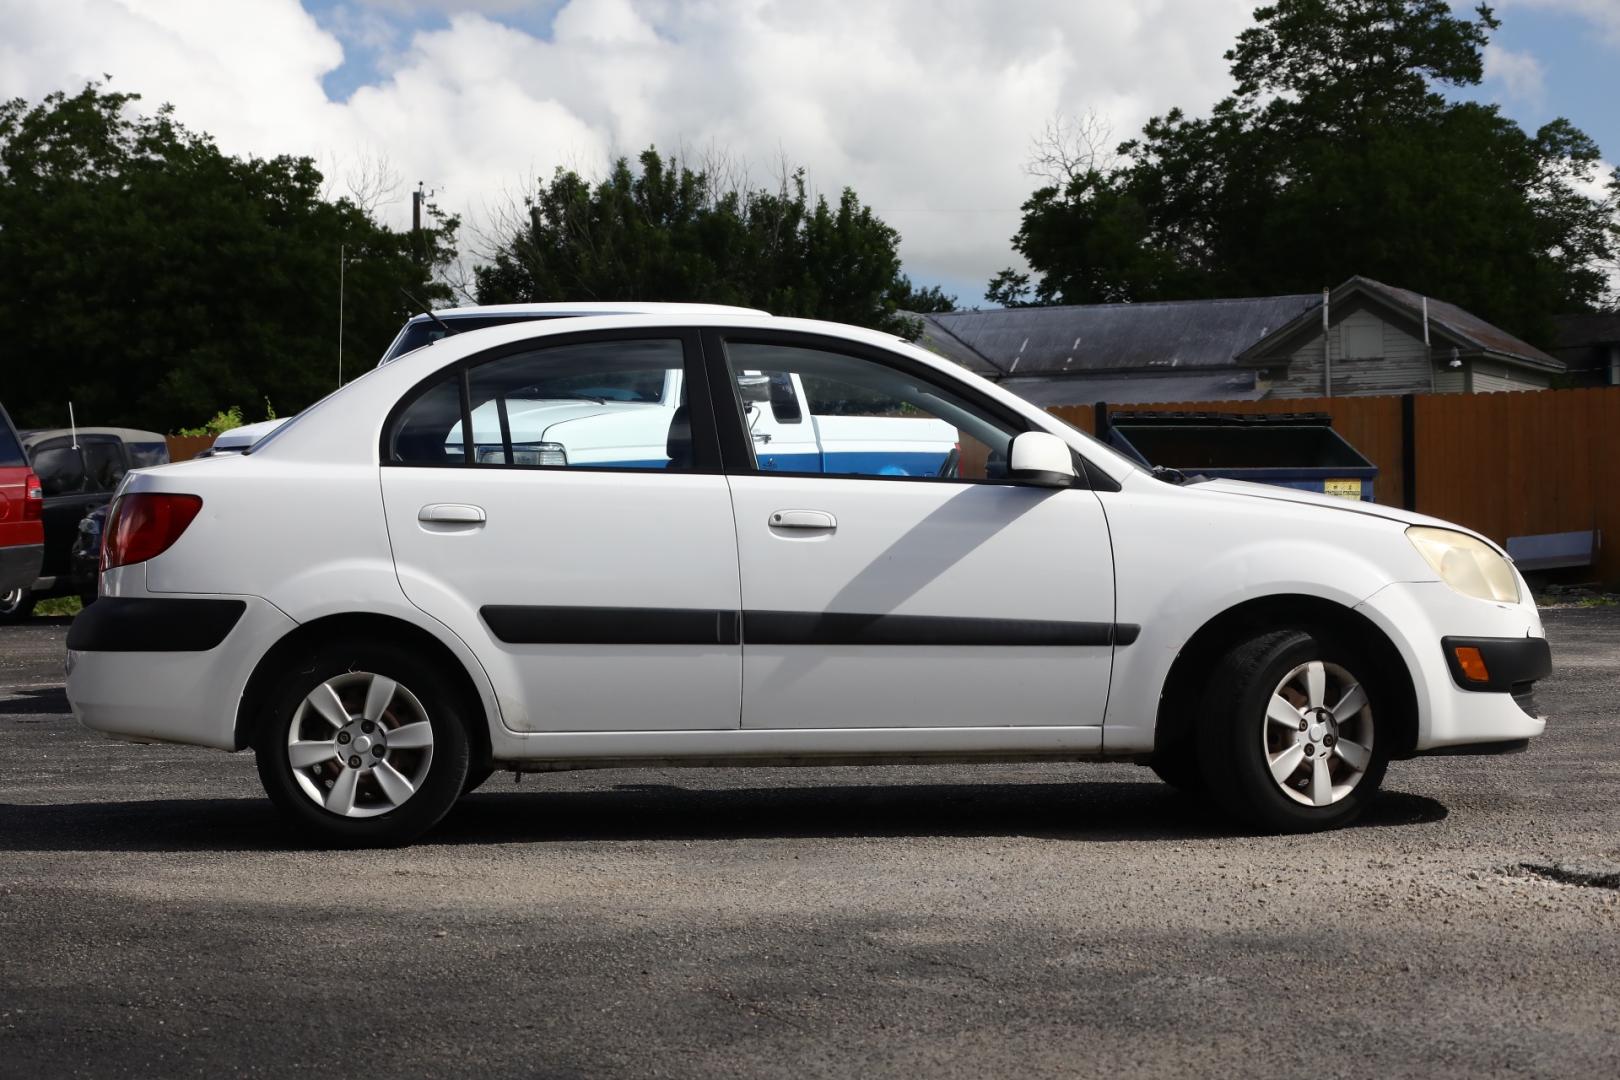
(451, 514)
(803, 519)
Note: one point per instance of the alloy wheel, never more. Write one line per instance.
(360, 744)
(1318, 735)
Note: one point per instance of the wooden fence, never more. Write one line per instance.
(1506, 464)
(186, 447)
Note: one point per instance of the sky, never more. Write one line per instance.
(928, 108)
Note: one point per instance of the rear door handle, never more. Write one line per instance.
(451, 514)
(803, 519)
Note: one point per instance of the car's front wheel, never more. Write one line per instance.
(1288, 737)
(363, 744)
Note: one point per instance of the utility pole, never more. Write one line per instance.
(1327, 347)
(340, 314)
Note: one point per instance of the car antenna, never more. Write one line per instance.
(440, 323)
(73, 426)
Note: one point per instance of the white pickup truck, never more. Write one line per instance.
(617, 426)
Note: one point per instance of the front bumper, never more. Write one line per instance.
(1421, 618)
(168, 669)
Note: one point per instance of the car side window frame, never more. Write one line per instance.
(706, 458)
(736, 446)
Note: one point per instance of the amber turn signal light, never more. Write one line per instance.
(1472, 664)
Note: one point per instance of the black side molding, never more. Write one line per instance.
(517, 624)
(1512, 663)
(841, 628)
(521, 624)
(153, 624)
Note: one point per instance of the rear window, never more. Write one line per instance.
(146, 454)
(426, 332)
(11, 451)
(60, 467)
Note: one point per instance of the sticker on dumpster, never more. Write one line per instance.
(1345, 489)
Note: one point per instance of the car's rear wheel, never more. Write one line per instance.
(16, 605)
(1288, 737)
(363, 744)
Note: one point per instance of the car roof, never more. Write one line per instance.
(35, 436)
(555, 309)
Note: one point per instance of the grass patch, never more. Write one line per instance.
(59, 605)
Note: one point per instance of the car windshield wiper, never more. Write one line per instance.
(434, 319)
(1169, 475)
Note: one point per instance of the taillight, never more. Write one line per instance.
(33, 499)
(144, 525)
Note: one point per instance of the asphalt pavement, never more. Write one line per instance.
(157, 919)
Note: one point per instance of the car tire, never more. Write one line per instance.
(363, 744)
(476, 777)
(1181, 770)
(17, 605)
(1287, 736)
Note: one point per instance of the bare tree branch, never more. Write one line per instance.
(1070, 145)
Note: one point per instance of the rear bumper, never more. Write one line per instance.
(168, 669)
(19, 565)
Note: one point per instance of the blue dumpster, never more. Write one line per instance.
(1297, 450)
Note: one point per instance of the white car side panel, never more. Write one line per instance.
(976, 551)
(578, 538)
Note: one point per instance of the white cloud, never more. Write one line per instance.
(1603, 14)
(925, 107)
(1518, 73)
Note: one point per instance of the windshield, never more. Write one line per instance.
(419, 332)
(11, 453)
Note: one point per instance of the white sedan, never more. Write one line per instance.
(387, 611)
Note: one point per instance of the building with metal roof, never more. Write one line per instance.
(1363, 337)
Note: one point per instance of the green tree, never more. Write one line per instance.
(666, 232)
(1338, 154)
(152, 280)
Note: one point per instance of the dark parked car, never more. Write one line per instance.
(21, 536)
(78, 472)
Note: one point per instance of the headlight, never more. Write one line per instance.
(1470, 566)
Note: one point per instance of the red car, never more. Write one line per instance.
(22, 530)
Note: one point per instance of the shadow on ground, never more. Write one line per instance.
(1082, 812)
(49, 701)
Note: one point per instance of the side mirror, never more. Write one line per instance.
(1042, 459)
(753, 386)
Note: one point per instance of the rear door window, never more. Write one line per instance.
(612, 404)
(104, 462)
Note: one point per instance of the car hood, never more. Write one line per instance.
(1327, 502)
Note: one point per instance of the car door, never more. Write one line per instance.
(596, 578)
(907, 583)
(71, 491)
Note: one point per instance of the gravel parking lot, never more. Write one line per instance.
(157, 920)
